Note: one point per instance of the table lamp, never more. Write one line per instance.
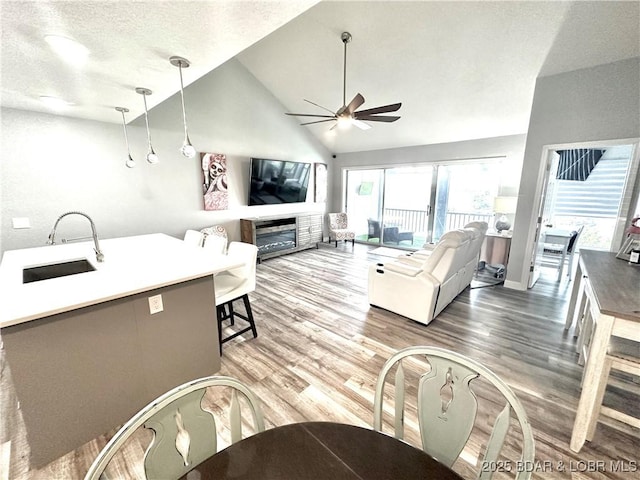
(503, 206)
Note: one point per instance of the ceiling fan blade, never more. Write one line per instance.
(355, 103)
(384, 109)
(360, 125)
(319, 106)
(319, 121)
(309, 115)
(374, 118)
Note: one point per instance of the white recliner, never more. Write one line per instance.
(421, 288)
(476, 232)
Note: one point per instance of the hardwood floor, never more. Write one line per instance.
(320, 348)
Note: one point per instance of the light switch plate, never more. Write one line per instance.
(21, 222)
(155, 304)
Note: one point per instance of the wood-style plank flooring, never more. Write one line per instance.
(320, 348)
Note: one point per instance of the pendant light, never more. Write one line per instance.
(130, 162)
(187, 149)
(151, 155)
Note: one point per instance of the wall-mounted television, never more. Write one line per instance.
(278, 181)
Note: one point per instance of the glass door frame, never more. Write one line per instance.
(382, 200)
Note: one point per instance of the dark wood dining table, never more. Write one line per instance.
(321, 451)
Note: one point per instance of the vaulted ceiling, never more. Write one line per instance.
(462, 70)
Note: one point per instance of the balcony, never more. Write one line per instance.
(417, 221)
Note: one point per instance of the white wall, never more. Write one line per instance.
(511, 147)
(593, 104)
(53, 164)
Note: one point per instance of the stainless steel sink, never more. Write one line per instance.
(55, 270)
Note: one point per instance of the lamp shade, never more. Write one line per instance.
(505, 204)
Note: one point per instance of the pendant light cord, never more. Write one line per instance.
(184, 113)
(126, 137)
(146, 119)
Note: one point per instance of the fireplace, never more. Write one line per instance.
(276, 241)
(276, 235)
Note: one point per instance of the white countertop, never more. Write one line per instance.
(131, 265)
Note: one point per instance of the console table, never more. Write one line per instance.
(282, 234)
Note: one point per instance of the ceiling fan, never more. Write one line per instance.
(348, 114)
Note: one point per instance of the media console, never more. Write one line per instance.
(282, 234)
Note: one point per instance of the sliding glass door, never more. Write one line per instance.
(409, 206)
(465, 193)
(390, 206)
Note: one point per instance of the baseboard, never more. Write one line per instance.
(515, 285)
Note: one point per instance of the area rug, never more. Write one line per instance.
(388, 252)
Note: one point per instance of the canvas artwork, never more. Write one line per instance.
(214, 171)
(321, 183)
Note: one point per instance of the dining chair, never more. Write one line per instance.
(554, 251)
(193, 237)
(215, 239)
(184, 434)
(233, 285)
(339, 228)
(447, 406)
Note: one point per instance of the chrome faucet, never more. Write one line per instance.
(52, 235)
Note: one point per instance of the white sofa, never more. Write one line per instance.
(421, 285)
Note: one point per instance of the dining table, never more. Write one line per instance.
(321, 451)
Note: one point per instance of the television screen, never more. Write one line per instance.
(278, 181)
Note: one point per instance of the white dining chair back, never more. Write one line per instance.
(193, 237)
(184, 434)
(447, 407)
(215, 239)
(238, 281)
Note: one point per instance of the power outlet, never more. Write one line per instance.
(155, 304)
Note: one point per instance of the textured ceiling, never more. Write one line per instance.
(462, 70)
(130, 44)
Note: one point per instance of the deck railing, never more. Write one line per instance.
(417, 220)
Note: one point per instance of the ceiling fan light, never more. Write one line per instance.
(67, 49)
(344, 122)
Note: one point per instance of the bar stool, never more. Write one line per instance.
(233, 285)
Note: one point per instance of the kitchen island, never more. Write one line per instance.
(84, 350)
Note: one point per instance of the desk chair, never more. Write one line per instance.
(447, 406)
(233, 285)
(184, 434)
